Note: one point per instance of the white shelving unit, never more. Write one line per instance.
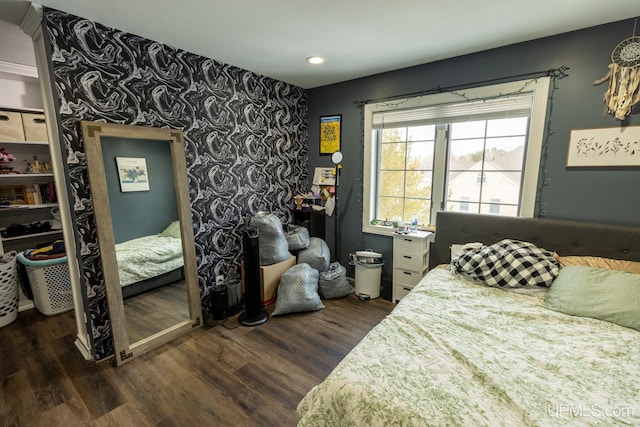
(19, 207)
(24, 176)
(410, 261)
(10, 214)
(32, 235)
(25, 152)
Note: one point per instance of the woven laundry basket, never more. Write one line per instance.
(50, 284)
(8, 289)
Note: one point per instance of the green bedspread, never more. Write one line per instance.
(457, 353)
(146, 257)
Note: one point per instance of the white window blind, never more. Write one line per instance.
(497, 108)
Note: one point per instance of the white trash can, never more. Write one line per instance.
(368, 274)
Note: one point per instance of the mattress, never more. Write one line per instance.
(146, 257)
(457, 353)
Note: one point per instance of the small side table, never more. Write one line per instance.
(410, 261)
(313, 220)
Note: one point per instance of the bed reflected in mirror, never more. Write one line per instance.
(139, 186)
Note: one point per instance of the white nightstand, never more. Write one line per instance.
(410, 261)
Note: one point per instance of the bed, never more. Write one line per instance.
(454, 352)
(149, 262)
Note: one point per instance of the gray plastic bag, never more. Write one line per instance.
(333, 282)
(317, 255)
(297, 238)
(272, 242)
(298, 291)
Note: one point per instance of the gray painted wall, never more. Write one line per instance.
(140, 213)
(603, 195)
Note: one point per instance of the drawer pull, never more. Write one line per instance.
(407, 257)
(407, 289)
(407, 273)
(408, 240)
(4, 118)
(39, 121)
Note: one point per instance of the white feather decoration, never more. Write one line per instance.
(623, 91)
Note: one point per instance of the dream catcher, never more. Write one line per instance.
(624, 77)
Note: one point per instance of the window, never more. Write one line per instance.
(464, 204)
(494, 207)
(405, 172)
(443, 152)
(495, 148)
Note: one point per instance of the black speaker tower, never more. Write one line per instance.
(254, 313)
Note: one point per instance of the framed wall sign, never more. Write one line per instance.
(133, 174)
(330, 133)
(616, 146)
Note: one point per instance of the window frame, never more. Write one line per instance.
(539, 89)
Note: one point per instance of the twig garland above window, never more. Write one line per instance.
(624, 77)
(554, 73)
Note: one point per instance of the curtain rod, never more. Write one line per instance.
(556, 73)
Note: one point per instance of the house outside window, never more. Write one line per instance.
(494, 207)
(485, 163)
(437, 152)
(464, 204)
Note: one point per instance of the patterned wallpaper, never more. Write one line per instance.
(245, 138)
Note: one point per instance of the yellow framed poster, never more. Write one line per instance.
(330, 133)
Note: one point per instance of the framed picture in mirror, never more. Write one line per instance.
(133, 174)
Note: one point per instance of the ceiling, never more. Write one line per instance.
(357, 38)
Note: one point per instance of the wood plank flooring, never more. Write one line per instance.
(222, 374)
(155, 310)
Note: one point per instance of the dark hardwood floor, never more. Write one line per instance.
(221, 374)
(155, 310)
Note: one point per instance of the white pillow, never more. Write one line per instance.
(457, 249)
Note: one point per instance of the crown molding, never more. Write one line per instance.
(20, 70)
(31, 23)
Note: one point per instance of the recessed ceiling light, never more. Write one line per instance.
(315, 60)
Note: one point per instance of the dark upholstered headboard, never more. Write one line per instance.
(563, 237)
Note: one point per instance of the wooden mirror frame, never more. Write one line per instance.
(92, 133)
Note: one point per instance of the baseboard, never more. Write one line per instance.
(84, 350)
(25, 305)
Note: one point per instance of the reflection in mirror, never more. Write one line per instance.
(139, 186)
(147, 237)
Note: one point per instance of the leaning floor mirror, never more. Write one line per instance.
(141, 200)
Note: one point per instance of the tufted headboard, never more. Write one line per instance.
(563, 237)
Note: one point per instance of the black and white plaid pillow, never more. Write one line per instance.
(508, 263)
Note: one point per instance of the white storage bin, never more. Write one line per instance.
(50, 284)
(8, 289)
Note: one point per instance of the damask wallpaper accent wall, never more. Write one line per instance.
(245, 138)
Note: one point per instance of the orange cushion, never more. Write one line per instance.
(599, 262)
